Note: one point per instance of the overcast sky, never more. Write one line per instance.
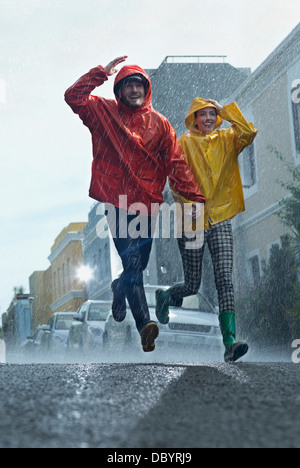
(45, 45)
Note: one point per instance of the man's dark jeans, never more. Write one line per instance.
(134, 253)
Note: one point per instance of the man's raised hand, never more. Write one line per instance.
(110, 69)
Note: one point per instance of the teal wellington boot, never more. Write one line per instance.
(233, 350)
(163, 301)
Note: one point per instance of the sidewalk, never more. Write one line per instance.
(2, 352)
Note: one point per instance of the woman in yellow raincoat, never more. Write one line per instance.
(212, 155)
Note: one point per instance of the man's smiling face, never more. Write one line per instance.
(133, 94)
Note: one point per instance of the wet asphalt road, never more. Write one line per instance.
(150, 405)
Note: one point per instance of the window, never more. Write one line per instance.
(64, 278)
(100, 264)
(63, 322)
(254, 270)
(248, 167)
(59, 282)
(107, 259)
(55, 285)
(276, 244)
(98, 312)
(69, 274)
(296, 113)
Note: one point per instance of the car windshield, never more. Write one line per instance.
(98, 312)
(64, 322)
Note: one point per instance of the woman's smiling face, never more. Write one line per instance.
(206, 120)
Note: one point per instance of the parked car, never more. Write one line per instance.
(194, 324)
(86, 332)
(58, 331)
(36, 344)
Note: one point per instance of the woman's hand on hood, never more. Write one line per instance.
(215, 103)
(110, 69)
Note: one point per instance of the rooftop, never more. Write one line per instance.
(179, 79)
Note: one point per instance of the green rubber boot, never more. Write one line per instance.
(233, 350)
(163, 301)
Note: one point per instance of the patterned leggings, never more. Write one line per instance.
(219, 239)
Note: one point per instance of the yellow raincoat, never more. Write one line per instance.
(213, 160)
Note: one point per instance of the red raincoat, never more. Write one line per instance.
(134, 150)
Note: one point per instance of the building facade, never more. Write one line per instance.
(99, 255)
(59, 288)
(40, 287)
(68, 289)
(18, 320)
(271, 99)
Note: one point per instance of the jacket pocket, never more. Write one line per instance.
(109, 170)
(106, 183)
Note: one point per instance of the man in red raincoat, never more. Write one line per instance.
(135, 150)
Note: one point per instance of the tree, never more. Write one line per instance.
(271, 313)
(18, 290)
(290, 215)
(290, 206)
(267, 314)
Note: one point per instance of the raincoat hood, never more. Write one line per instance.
(129, 70)
(197, 105)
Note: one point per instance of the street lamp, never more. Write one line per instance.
(84, 274)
